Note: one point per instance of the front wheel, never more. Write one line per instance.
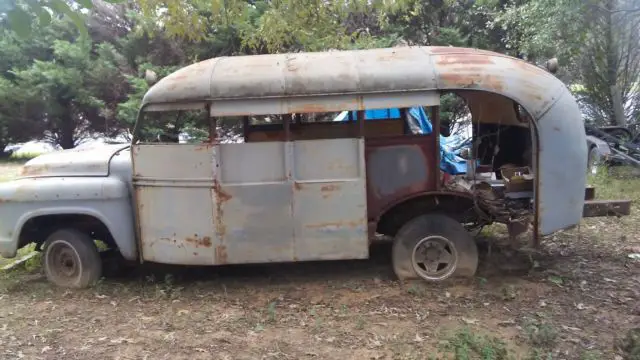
(434, 247)
(71, 259)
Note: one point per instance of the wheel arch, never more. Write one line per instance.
(459, 206)
(35, 226)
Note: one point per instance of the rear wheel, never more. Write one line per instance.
(434, 247)
(71, 259)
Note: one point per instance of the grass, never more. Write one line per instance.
(616, 183)
(10, 166)
(466, 344)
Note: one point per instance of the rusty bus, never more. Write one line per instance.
(302, 187)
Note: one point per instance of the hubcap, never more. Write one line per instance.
(63, 261)
(434, 258)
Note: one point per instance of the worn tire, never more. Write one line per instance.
(71, 259)
(440, 226)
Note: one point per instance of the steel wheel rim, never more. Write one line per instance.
(63, 261)
(434, 258)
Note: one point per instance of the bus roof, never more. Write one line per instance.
(360, 72)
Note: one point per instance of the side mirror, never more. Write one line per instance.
(150, 77)
(551, 65)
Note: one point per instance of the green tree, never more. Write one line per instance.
(72, 88)
(23, 16)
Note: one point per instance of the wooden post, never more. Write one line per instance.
(435, 115)
(361, 120)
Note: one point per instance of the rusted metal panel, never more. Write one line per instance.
(72, 162)
(251, 163)
(253, 223)
(301, 200)
(357, 72)
(561, 174)
(173, 185)
(329, 200)
(188, 84)
(597, 208)
(323, 103)
(252, 204)
(532, 87)
(397, 168)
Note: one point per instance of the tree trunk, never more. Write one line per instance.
(618, 109)
(67, 127)
(3, 145)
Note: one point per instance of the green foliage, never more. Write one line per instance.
(23, 16)
(72, 69)
(467, 345)
(70, 90)
(540, 29)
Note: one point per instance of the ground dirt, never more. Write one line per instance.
(576, 298)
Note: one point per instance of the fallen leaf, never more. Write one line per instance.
(470, 321)
(565, 327)
(121, 341)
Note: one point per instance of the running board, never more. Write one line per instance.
(600, 208)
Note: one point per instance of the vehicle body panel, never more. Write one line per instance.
(106, 199)
(72, 162)
(293, 201)
(562, 156)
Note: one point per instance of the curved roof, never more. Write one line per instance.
(360, 72)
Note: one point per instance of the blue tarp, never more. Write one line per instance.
(450, 162)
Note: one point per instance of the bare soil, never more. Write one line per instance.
(572, 300)
(576, 298)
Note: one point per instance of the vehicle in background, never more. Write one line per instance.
(612, 146)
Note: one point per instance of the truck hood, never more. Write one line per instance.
(73, 162)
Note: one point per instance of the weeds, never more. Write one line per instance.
(466, 345)
(271, 312)
(509, 293)
(541, 335)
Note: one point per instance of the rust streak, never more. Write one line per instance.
(199, 242)
(464, 59)
(337, 224)
(221, 254)
(472, 81)
(220, 198)
(449, 50)
(329, 188)
(204, 146)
